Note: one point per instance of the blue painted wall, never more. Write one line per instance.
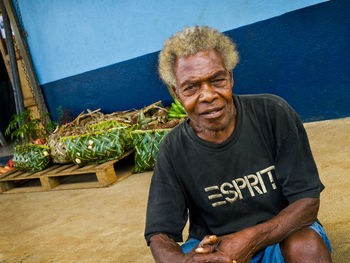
(69, 37)
(303, 56)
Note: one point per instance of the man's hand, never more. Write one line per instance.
(213, 257)
(238, 246)
(165, 249)
(206, 249)
(207, 245)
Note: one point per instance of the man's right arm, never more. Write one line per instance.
(166, 250)
(167, 213)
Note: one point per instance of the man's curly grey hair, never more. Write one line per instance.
(190, 41)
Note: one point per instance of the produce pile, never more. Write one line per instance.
(94, 137)
(7, 167)
(176, 111)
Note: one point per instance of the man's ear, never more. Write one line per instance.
(174, 92)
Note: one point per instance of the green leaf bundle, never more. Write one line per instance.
(97, 147)
(146, 143)
(31, 157)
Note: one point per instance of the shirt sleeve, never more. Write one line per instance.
(166, 209)
(296, 170)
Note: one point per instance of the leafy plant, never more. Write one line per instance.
(24, 128)
(64, 115)
(50, 127)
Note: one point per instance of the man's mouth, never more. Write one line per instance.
(212, 113)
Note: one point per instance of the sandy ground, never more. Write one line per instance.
(106, 224)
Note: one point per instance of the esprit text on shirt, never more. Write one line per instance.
(229, 192)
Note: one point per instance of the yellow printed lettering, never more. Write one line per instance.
(254, 183)
(227, 192)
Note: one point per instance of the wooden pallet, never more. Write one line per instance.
(68, 176)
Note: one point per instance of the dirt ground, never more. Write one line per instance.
(106, 224)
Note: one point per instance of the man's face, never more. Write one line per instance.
(204, 88)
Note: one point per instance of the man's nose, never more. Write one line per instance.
(207, 92)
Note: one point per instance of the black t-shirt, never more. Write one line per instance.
(262, 167)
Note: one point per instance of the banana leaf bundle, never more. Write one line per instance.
(84, 123)
(58, 151)
(96, 147)
(105, 125)
(146, 143)
(31, 157)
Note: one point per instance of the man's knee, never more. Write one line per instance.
(305, 246)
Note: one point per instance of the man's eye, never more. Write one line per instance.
(188, 88)
(219, 82)
(191, 88)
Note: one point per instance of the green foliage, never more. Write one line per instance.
(23, 128)
(60, 111)
(176, 111)
(64, 115)
(50, 127)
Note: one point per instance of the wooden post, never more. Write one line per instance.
(16, 84)
(28, 96)
(5, 57)
(23, 47)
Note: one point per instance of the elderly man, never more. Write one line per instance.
(239, 166)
